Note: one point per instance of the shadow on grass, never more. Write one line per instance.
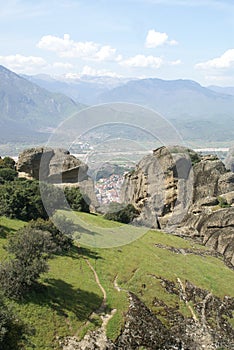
(78, 252)
(4, 231)
(63, 298)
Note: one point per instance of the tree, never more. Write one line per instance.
(7, 162)
(62, 239)
(7, 174)
(124, 214)
(12, 330)
(21, 199)
(31, 249)
(76, 200)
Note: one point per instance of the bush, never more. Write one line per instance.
(124, 215)
(7, 174)
(76, 200)
(61, 239)
(7, 162)
(223, 202)
(31, 249)
(12, 329)
(21, 199)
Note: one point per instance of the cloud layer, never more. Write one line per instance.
(226, 60)
(155, 39)
(143, 61)
(66, 47)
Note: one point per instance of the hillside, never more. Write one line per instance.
(29, 111)
(85, 89)
(152, 268)
(198, 113)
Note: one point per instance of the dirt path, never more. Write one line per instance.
(103, 304)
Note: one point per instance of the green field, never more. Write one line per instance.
(69, 292)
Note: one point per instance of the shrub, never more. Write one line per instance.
(7, 162)
(124, 215)
(12, 330)
(76, 200)
(31, 249)
(60, 238)
(7, 174)
(223, 202)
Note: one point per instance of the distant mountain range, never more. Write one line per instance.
(198, 113)
(27, 111)
(30, 106)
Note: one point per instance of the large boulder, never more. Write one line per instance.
(183, 192)
(160, 186)
(52, 165)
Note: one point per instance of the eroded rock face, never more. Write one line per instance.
(217, 232)
(229, 161)
(160, 186)
(171, 193)
(52, 165)
(207, 175)
(143, 329)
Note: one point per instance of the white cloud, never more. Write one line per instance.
(143, 61)
(62, 65)
(23, 64)
(175, 63)
(224, 61)
(66, 47)
(87, 70)
(107, 53)
(155, 39)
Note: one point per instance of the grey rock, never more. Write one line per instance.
(229, 161)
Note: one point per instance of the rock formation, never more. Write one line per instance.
(52, 165)
(185, 193)
(56, 166)
(144, 330)
(229, 161)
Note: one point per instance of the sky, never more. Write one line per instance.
(167, 39)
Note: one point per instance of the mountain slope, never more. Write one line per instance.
(197, 112)
(85, 89)
(27, 109)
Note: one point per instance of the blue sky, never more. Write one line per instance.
(168, 39)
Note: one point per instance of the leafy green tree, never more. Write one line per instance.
(31, 249)
(76, 200)
(21, 199)
(124, 214)
(7, 174)
(13, 332)
(62, 238)
(7, 162)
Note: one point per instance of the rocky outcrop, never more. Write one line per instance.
(59, 167)
(182, 192)
(229, 161)
(217, 232)
(52, 165)
(160, 185)
(206, 325)
(207, 182)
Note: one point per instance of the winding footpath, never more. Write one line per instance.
(97, 337)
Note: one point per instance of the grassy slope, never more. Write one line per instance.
(72, 293)
(63, 304)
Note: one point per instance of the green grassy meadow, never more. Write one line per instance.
(69, 293)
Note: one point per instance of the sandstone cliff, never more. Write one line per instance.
(185, 193)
